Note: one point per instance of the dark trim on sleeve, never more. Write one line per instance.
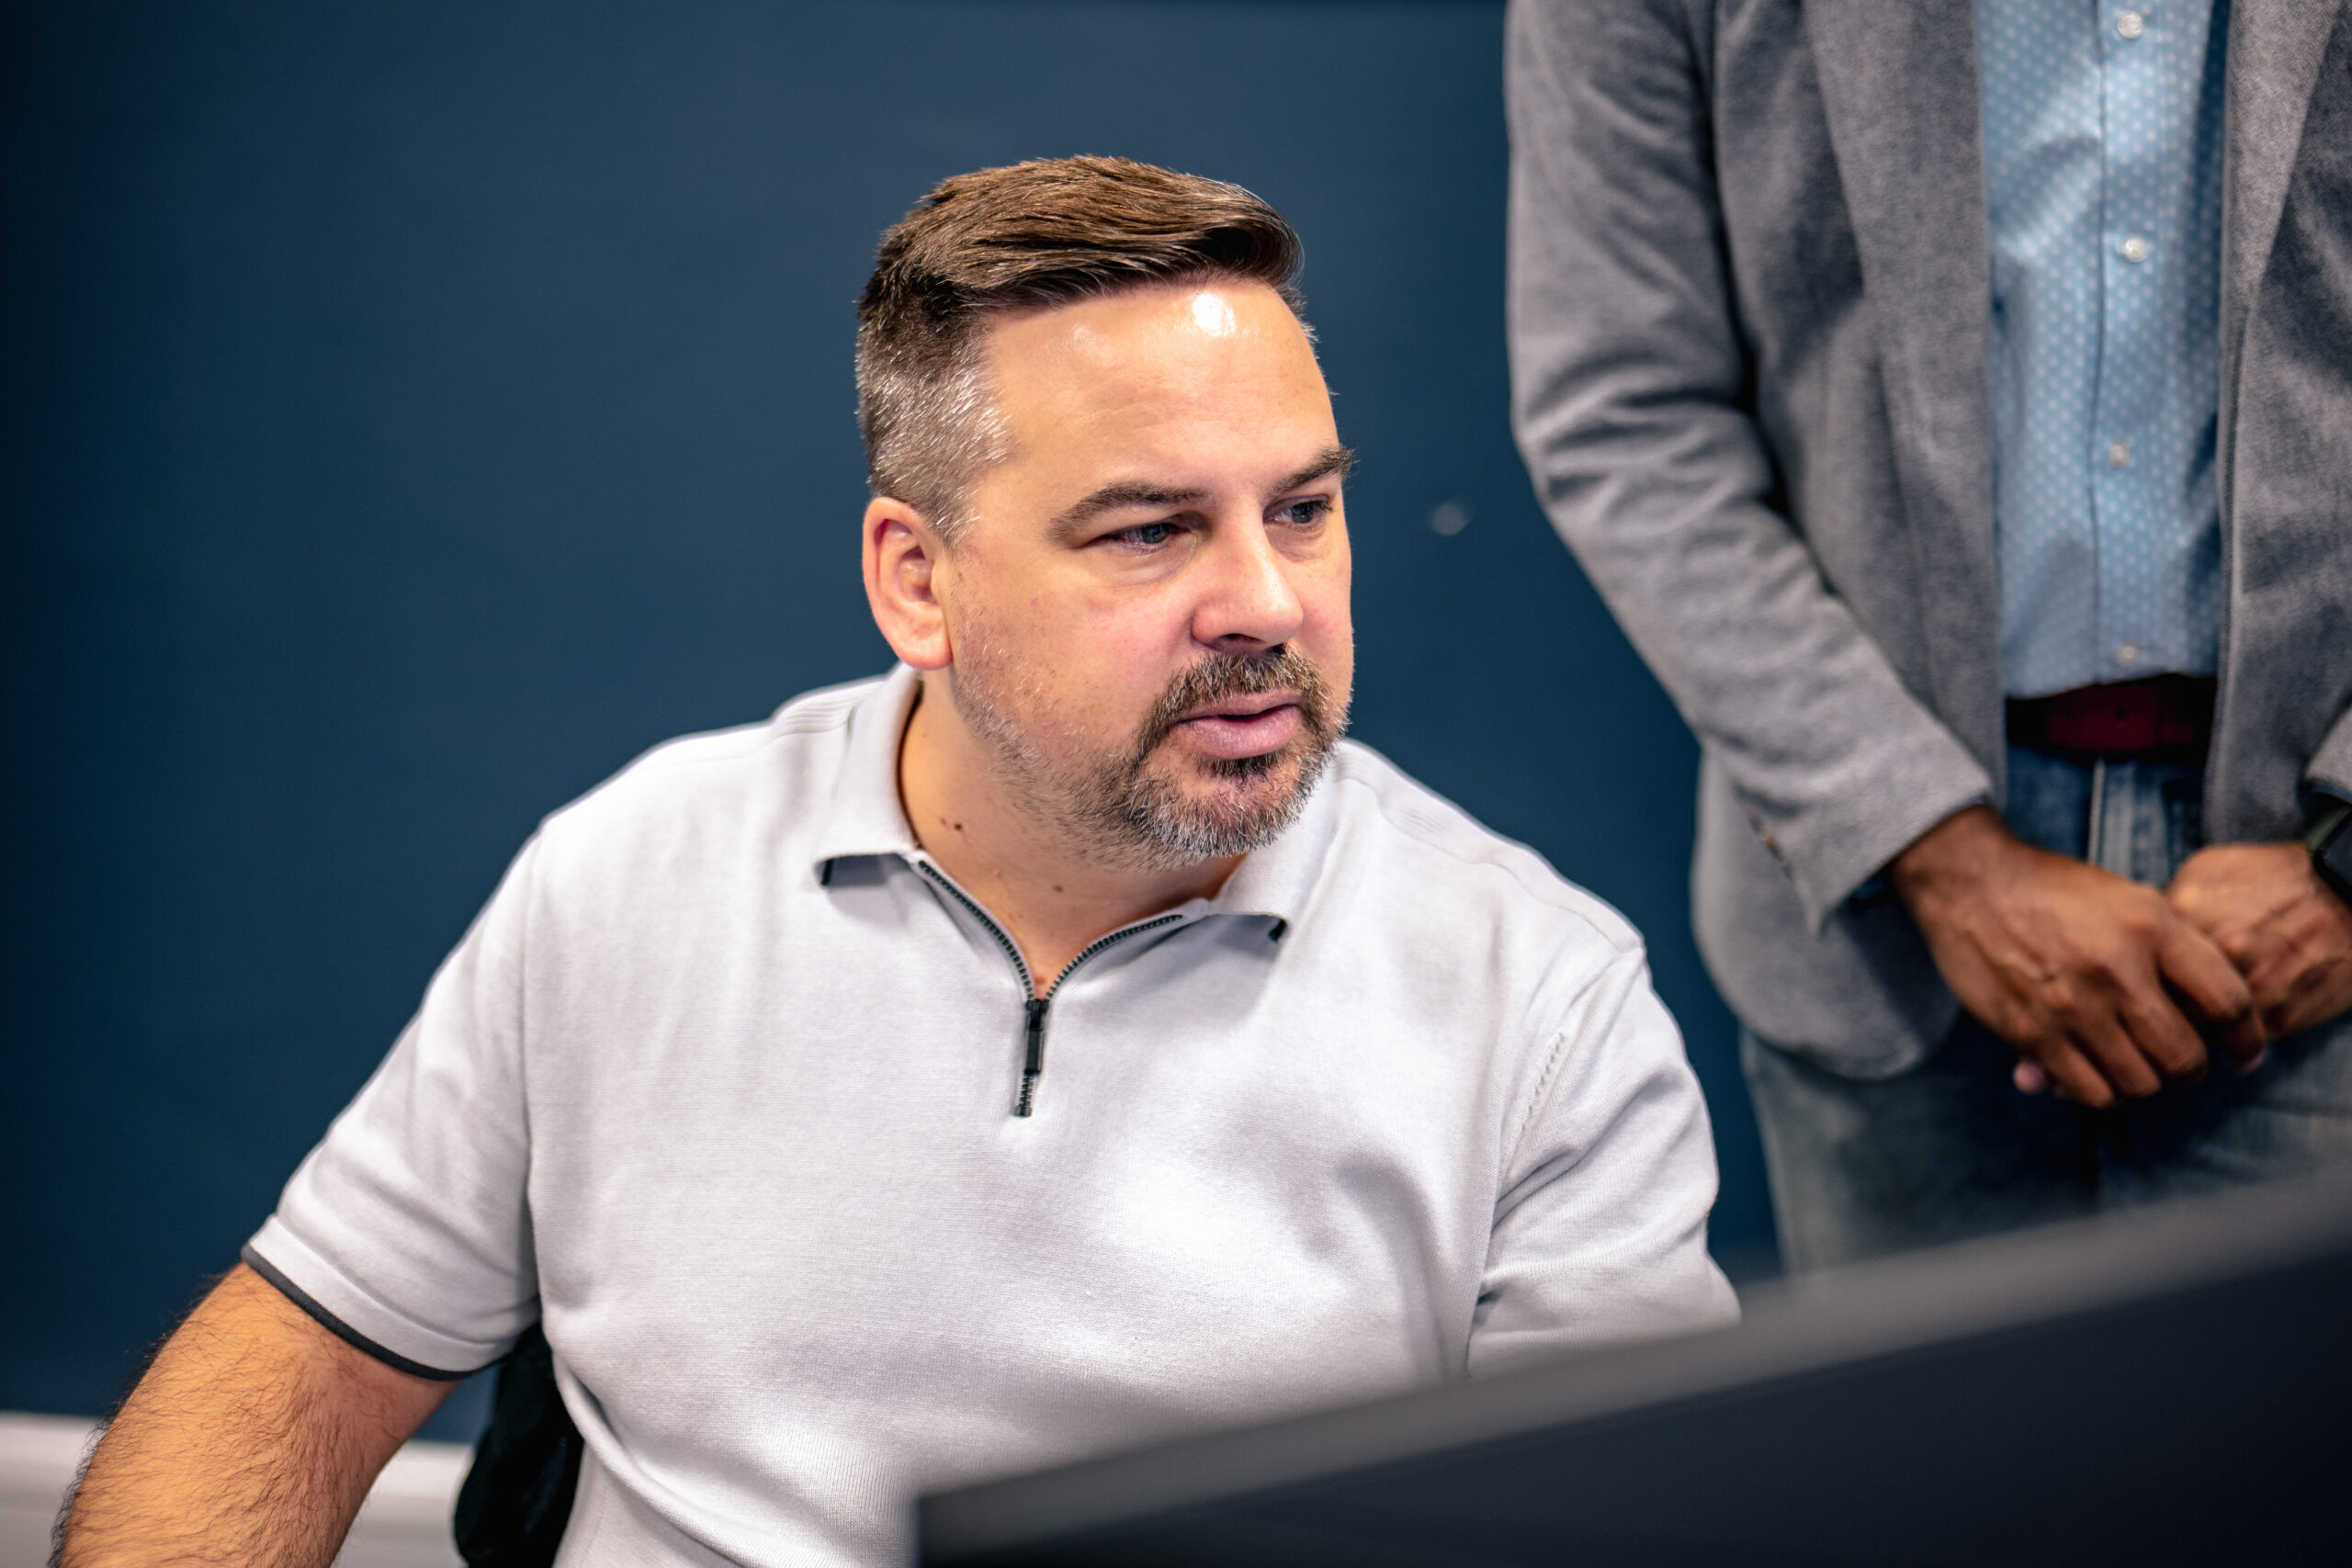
(340, 1329)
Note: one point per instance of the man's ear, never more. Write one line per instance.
(904, 561)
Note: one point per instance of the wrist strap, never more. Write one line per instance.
(2325, 828)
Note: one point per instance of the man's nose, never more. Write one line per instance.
(1247, 597)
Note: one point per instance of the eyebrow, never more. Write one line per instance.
(1332, 462)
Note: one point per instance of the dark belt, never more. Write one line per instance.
(2163, 713)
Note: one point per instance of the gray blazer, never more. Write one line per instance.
(1748, 312)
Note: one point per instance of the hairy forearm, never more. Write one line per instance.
(252, 1440)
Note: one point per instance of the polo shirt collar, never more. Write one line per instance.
(866, 817)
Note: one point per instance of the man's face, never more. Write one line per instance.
(1147, 607)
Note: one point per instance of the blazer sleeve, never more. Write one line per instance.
(1628, 382)
(2330, 768)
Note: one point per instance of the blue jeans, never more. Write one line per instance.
(1951, 1149)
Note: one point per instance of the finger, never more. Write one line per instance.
(2283, 993)
(2108, 1045)
(2077, 1078)
(2030, 1077)
(2164, 1037)
(2280, 1011)
(2213, 988)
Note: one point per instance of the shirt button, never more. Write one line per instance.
(2128, 654)
(2117, 453)
(2131, 24)
(2135, 249)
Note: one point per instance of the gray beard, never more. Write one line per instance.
(1118, 812)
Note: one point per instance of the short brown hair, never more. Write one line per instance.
(1045, 233)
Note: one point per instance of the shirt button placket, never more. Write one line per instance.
(2115, 85)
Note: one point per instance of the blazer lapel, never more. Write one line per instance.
(2272, 70)
(1899, 86)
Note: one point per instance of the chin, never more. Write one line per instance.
(1243, 798)
(1211, 779)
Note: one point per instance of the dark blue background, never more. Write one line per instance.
(412, 411)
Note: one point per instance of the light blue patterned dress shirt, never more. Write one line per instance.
(2103, 175)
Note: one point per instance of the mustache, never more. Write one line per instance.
(1221, 675)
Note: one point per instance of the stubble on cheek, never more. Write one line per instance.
(1140, 798)
(1181, 808)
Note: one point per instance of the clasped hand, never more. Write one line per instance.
(2108, 987)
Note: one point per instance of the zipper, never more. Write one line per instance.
(1033, 1064)
(1020, 964)
(1032, 1006)
(1032, 1054)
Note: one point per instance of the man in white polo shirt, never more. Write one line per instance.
(1062, 1042)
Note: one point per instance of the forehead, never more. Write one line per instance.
(1200, 356)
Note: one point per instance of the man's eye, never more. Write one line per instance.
(1300, 513)
(1146, 535)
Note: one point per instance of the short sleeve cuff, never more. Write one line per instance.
(347, 1309)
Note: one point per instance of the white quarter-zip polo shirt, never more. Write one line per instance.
(721, 1087)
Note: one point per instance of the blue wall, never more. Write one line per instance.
(415, 410)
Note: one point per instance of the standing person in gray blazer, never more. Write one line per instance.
(1954, 404)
